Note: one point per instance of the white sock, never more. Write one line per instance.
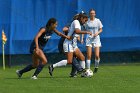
(97, 63)
(60, 63)
(82, 63)
(88, 64)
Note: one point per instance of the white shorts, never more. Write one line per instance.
(68, 47)
(93, 42)
(74, 48)
(98, 44)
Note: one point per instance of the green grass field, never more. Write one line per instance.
(109, 79)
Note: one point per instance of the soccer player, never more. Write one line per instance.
(93, 25)
(37, 46)
(77, 52)
(74, 29)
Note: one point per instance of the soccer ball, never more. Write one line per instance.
(87, 73)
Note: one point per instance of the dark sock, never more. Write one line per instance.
(76, 65)
(38, 69)
(73, 71)
(26, 69)
(95, 70)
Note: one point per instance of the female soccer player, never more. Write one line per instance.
(77, 52)
(93, 25)
(74, 29)
(37, 46)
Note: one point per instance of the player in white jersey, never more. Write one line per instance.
(77, 53)
(93, 25)
(75, 28)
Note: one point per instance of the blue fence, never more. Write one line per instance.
(21, 20)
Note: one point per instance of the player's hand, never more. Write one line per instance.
(82, 41)
(65, 29)
(89, 33)
(96, 34)
(69, 37)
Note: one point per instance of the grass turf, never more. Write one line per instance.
(109, 79)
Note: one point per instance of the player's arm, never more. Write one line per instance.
(37, 36)
(62, 35)
(78, 31)
(82, 39)
(84, 28)
(78, 38)
(100, 31)
(100, 28)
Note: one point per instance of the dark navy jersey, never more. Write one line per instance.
(60, 44)
(42, 40)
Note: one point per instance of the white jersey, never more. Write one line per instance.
(69, 45)
(74, 41)
(93, 26)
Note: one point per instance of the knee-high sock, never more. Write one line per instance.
(82, 63)
(26, 69)
(60, 63)
(76, 65)
(38, 69)
(88, 64)
(97, 63)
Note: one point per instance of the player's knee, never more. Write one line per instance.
(44, 62)
(82, 58)
(97, 57)
(37, 52)
(88, 57)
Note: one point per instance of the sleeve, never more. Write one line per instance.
(100, 24)
(85, 26)
(77, 24)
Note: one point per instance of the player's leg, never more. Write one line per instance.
(29, 67)
(80, 56)
(58, 64)
(40, 55)
(76, 65)
(97, 58)
(68, 49)
(89, 54)
(73, 71)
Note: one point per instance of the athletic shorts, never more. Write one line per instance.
(68, 47)
(33, 46)
(98, 44)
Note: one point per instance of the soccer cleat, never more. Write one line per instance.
(18, 73)
(83, 74)
(73, 76)
(81, 71)
(50, 69)
(73, 72)
(33, 77)
(95, 70)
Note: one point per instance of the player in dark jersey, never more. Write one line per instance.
(37, 46)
